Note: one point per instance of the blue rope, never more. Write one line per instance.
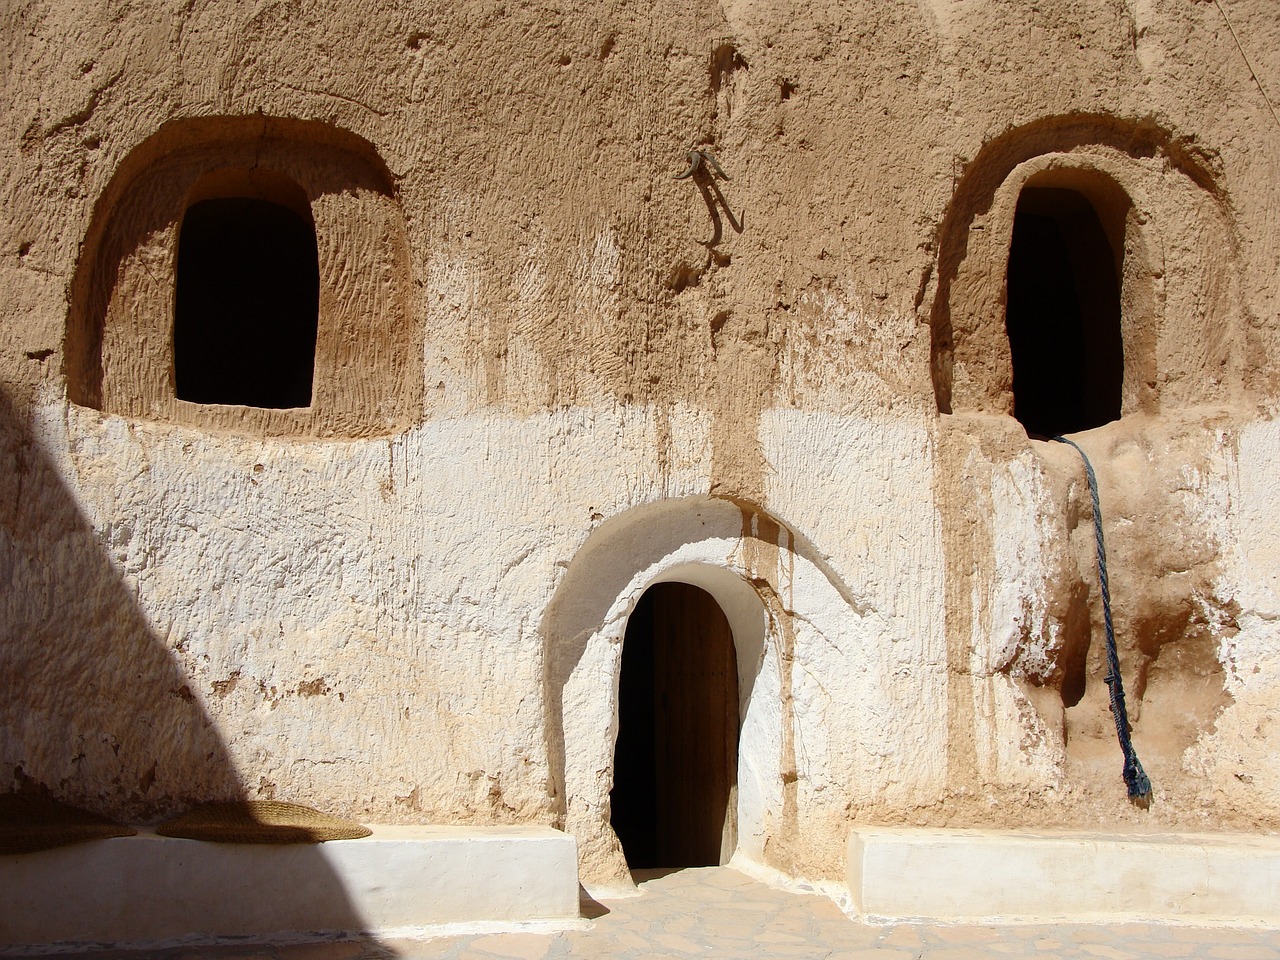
(1134, 776)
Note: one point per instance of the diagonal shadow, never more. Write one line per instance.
(95, 710)
(715, 201)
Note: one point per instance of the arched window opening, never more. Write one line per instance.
(247, 298)
(1062, 314)
(675, 763)
(292, 297)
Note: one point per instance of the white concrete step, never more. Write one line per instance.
(1007, 876)
(151, 889)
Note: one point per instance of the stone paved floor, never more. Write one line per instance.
(720, 913)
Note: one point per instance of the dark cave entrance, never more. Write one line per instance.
(674, 796)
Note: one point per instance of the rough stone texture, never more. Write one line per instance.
(549, 374)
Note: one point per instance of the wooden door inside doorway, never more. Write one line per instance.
(674, 799)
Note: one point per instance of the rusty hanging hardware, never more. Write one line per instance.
(697, 157)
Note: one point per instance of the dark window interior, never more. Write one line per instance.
(1062, 314)
(245, 309)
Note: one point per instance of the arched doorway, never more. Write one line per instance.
(674, 794)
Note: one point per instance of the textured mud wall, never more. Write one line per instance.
(549, 374)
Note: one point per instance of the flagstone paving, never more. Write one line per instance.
(722, 914)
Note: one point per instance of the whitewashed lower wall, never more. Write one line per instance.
(428, 628)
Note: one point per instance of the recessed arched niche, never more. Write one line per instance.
(248, 274)
(1084, 274)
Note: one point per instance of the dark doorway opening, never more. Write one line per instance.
(245, 308)
(674, 795)
(1062, 314)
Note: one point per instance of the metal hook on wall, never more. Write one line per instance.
(697, 157)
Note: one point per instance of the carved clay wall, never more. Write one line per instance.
(548, 375)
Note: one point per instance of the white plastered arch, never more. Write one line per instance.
(774, 592)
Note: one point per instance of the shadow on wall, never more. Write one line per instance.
(95, 710)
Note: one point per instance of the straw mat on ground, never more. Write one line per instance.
(260, 821)
(28, 824)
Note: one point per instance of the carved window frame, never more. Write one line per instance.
(119, 350)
